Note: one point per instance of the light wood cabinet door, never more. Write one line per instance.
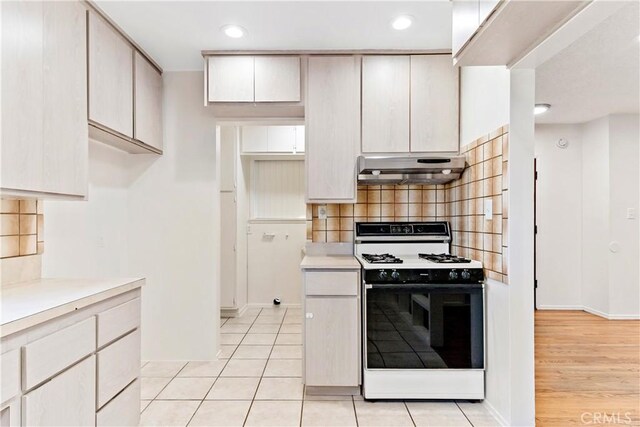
(281, 139)
(231, 79)
(434, 104)
(110, 77)
(147, 103)
(67, 400)
(385, 104)
(277, 78)
(66, 136)
(118, 365)
(332, 128)
(300, 139)
(332, 347)
(22, 88)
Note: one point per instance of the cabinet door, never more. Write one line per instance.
(277, 78)
(281, 139)
(147, 103)
(255, 139)
(66, 136)
(22, 86)
(300, 139)
(434, 104)
(385, 104)
(231, 79)
(332, 348)
(110, 77)
(69, 399)
(333, 128)
(465, 23)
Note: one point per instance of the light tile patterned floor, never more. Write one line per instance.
(257, 382)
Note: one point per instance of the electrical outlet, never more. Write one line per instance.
(322, 212)
(488, 209)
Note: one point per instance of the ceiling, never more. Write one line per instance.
(596, 75)
(174, 32)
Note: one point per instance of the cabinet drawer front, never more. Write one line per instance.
(118, 321)
(66, 400)
(47, 356)
(331, 283)
(10, 369)
(123, 410)
(118, 365)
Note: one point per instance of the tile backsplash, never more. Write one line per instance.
(21, 228)
(460, 202)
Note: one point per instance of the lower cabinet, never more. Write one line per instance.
(332, 349)
(61, 372)
(67, 400)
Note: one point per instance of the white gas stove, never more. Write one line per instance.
(423, 310)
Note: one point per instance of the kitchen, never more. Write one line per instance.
(240, 175)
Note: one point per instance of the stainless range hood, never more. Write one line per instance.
(374, 170)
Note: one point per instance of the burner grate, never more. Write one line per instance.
(444, 258)
(381, 259)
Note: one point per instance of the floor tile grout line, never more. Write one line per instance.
(165, 386)
(404, 402)
(355, 412)
(464, 413)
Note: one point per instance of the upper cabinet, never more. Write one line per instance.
(44, 95)
(332, 128)
(110, 78)
(253, 78)
(409, 104)
(276, 139)
(385, 104)
(501, 32)
(434, 104)
(147, 108)
(125, 91)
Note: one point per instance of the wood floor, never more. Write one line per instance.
(587, 369)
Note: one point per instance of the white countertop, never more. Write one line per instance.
(329, 262)
(29, 303)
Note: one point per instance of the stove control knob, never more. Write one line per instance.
(466, 275)
(382, 275)
(453, 275)
(395, 275)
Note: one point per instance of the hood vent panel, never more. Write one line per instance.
(409, 170)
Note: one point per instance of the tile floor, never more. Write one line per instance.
(257, 382)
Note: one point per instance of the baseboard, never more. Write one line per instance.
(560, 307)
(494, 412)
(259, 305)
(591, 311)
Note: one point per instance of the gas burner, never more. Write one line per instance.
(381, 259)
(444, 258)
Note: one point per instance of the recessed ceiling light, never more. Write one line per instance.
(234, 31)
(541, 108)
(402, 22)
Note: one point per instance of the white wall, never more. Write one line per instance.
(559, 209)
(624, 166)
(89, 239)
(173, 229)
(153, 217)
(492, 97)
(484, 101)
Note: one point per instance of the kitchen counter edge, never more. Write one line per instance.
(31, 303)
(329, 262)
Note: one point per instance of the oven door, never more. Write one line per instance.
(423, 327)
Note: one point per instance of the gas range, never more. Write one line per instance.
(412, 252)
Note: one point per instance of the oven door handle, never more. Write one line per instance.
(468, 287)
(367, 286)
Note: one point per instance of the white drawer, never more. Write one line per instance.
(117, 321)
(118, 365)
(47, 356)
(123, 410)
(331, 283)
(10, 378)
(67, 400)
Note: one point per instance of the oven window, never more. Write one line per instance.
(409, 329)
